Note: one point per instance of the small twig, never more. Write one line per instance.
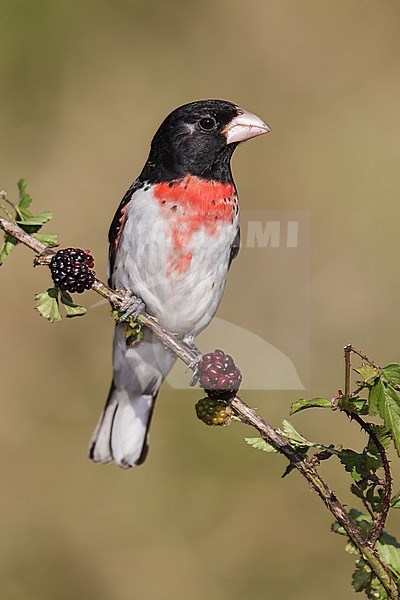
(367, 508)
(247, 415)
(347, 369)
(363, 356)
(378, 523)
(3, 195)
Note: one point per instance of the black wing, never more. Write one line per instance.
(235, 247)
(116, 227)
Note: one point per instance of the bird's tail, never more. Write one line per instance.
(122, 431)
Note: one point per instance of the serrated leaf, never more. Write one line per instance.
(9, 243)
(392, 373)
(389, 551)
(47, 305)
(371, 452)
(395, 503)
(71, 309)
(39, 219)
(356, 491)
(260, 444)
(302, 404)
(354, 463)
(361, 577)
(22, 186)
(383, 434)
(351, 548)
(367, 372)
(376, 397)
(353, 404)
(389, 410)
(363, 521)
(25, 200)
(134, 332)
(336, 528)
(293, 435)
(50, 240)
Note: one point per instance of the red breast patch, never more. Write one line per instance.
(192, 204)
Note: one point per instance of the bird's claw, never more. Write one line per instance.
(193, 366)
(132, 308)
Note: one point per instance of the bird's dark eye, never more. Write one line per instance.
(207, 124)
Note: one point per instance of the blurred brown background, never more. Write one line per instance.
(83, 87)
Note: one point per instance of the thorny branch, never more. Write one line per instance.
(246, 414)
(378, 523)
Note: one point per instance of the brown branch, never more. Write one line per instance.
(247, 415)
(350, 348)
(347, 370)
(378, 523)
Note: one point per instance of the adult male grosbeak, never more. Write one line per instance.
(172, 241)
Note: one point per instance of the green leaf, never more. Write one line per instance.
(302, 404)
(50, 240)
(336, 528)
(72, 309)
(9, 243)
(376, 397)
(354, 463)
(395, 503)
(25, 201)
(353, 404)
(363, 521)
(389, 551)
(383, 434)
(356, 491)
(134, 332)
(389, 410)
(47, 305)
(40, 219)
(392, 373)
(22, 185)
(294, 436)
(350, 547)
(361, 577)
(260, 444)
(367, 372)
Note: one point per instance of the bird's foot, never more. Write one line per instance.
(189, 343)
(133, 307)
(193, 365)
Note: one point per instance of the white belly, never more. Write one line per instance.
(184, 299)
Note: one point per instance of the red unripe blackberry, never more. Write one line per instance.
(219, 376)
(213, 412)
(71, 270)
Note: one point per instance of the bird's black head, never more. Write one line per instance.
(199, 139)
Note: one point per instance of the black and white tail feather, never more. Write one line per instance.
(122, 432)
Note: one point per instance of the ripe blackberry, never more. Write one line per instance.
(219, 376)
(71, 270)
(213, 412)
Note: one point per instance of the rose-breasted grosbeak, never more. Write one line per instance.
(172, 241)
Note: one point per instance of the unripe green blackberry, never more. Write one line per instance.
(71, 270)
(213, 412)
(219, 376)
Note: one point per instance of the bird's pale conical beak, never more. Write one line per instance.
(244, 127)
